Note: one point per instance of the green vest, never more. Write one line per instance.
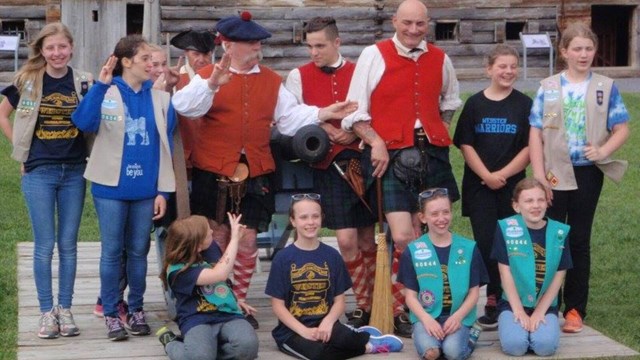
(429, 273)
(522, 259)
(219, 294)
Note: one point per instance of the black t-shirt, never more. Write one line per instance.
(55, 139)
(497, 131)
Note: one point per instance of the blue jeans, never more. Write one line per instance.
(233, 339)
(123, 225)
(454, 346)
(516, 341)
(51, 189)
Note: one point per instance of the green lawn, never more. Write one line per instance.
(614, 306)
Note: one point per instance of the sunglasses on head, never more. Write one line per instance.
(302, 196)
(428, 194)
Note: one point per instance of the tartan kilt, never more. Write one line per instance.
(397, 196)
(341, 206)
(256, 206)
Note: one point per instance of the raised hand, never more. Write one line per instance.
(173, 74)
(106, 73)
(220, 74)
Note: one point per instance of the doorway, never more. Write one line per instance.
(612, 24)
(135, 16)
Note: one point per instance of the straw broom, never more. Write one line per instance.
(381, 307)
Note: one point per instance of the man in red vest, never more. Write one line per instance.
(407, 92)
(324, 81)
(239, 100)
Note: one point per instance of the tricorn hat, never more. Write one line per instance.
(201, 41)
(241, 28)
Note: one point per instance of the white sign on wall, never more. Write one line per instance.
(11, 43)
(536, 41)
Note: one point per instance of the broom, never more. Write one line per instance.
(382, 304)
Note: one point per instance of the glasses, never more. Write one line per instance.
(310, 196)
(428, 194)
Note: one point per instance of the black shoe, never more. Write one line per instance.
(252, 320)
(402, 325)
(165, 336)
(115, 328)
(358, 318)
(489, 321)
(136, 324)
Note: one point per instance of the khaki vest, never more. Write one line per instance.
(26, 116)
(105, 160)
(557, 162)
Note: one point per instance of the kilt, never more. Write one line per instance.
(396, 196)
(256, 206)
(341, 206)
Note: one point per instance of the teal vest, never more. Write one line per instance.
(219, 294)
(522, 259)
(429, 273)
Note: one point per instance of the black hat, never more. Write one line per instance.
(241, 28)
(202, 41)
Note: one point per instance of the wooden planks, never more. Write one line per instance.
(93, 344)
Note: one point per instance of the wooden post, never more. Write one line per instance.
(52, 11)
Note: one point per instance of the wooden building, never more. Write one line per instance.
(466, 29)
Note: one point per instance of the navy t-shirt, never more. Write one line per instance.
(407, 273)
(191, 306)
(56, 140)
(538, 239)
(307, 281)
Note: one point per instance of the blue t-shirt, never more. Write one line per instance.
(191, 306)
(538, 239)
(407, 273)
(307, 281)
(575, 110)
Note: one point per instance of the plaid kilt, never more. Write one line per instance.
(256, 206)
(396, 196)
(341, 206)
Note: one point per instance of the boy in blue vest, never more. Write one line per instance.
(533, 255)
(442, 273)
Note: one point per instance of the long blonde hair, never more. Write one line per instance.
(29, 77)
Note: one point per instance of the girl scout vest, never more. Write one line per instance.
(218, 294)
(103, 166)
(557, 163)
(522, 259)
(26, 116)
(429, 273)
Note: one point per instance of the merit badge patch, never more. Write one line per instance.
(422, 254)
(514, 231)
(109, 104)
(427, 299)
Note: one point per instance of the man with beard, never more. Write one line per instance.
(239, 100)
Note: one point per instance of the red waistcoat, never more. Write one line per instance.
(240, 117)
(408, 90)
(321, 89)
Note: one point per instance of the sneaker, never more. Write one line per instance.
(358, 318)
(123, 310)
(252, 320)
(115, 328)
(66, 323)
(474, 334)
(165, 335)
(48, 325)
(373, 331)
(488, 321)
(385, 344)
(98, 310)
(136, 324)
(402, 325)
(572, 322)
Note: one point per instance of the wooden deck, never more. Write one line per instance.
(93, 344)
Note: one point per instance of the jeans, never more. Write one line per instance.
(50, 189)
(454, 346)
(516, 341)
(124, 225)
(233, 339)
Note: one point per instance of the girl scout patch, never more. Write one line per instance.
(427, 299)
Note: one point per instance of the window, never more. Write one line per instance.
(446, 31)
(513, 29)
(13, 28)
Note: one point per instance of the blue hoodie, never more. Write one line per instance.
(141, 154)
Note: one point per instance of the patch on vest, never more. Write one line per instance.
(427, 299)
(551, 95)
(109, 104)
(514, 231)
(422, 254)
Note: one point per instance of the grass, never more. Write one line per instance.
(614, 304)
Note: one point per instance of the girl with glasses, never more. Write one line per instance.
(533, 256)
(307, 282)
(442, 273)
